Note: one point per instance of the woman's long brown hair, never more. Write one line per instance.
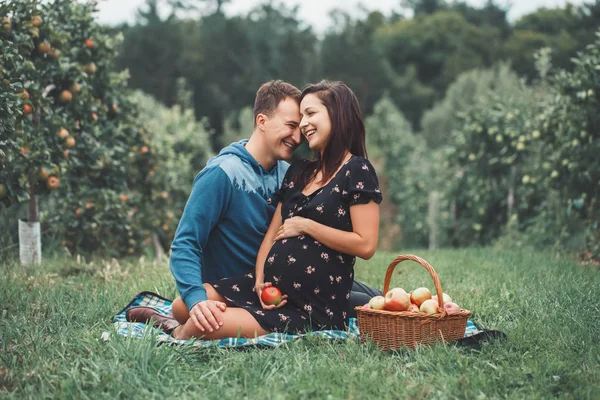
(347, 130)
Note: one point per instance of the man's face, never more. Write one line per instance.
(281, 129)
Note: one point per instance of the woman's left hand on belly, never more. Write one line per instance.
(292, 227)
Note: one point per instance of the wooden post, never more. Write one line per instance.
(510, 199)
(433, 219)
(160, 253)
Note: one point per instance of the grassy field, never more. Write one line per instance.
(52, 318)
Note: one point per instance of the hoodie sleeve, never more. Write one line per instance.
(208, 201)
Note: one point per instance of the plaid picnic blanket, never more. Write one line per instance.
(163, 305)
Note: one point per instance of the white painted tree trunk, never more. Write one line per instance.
(30, 243)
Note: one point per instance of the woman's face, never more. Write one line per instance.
(315, 124)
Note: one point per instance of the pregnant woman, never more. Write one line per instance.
(327, 215)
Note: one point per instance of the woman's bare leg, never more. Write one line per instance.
(236, 321)
(180, 310)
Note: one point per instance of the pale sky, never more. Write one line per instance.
(315, 12)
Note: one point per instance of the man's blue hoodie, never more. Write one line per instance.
(224, 220)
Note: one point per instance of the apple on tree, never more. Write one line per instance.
(66, 96)
(63, 133)
(52, 183)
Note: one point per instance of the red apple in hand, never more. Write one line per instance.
(271, 296)
(397, 300)
(419, 295)
(429, 307)
(451, 308)
(377, 303)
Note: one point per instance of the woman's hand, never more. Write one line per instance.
(292, 227)
(258, 288)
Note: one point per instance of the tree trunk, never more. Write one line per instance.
(33, 213)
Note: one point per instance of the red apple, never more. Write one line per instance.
(397, 300)
(451, 308)
(63, 133)
(44, 47)
(271, 296)
(69, 142)
(89, 43)
(43, 174)
(429, 307)
(66, 96)
(52, 183)
(413, 308)
(446, 298)
(377, 303)
(90, 68)
(419, 295)
(36, 21)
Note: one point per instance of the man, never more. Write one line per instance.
(230, 208)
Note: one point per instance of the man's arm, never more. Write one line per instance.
(207, 203)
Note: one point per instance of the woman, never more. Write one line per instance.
(328, 214)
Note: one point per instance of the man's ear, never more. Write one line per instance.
(261, 120)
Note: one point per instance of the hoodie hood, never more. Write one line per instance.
(238, 149)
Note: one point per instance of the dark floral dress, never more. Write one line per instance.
(316, 278)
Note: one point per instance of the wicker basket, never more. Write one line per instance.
(391, 330)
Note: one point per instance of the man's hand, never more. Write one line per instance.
(207, 315)
(292, 227)
(258, 288)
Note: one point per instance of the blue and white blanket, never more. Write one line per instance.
(163, 305)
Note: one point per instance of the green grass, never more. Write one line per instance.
(52, 317)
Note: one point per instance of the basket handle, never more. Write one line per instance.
(425, 264)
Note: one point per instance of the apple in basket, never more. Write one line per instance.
(451, 308)
(419, 295)
(429, 307)
(447, 299)
(397, 300)
(413, 308)
(377, 303)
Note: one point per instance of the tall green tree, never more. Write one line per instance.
(437, 47)
(153, 50)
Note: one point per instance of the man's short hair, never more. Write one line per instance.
(270, 94)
